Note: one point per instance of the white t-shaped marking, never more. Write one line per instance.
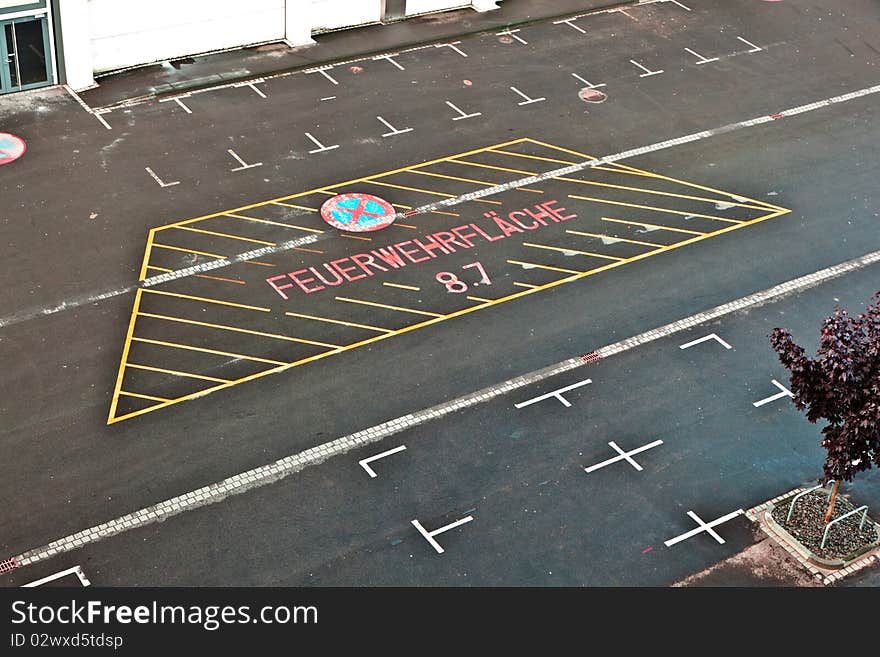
(429, 536)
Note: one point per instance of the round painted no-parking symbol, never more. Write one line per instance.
(11, 148)
(358, 213)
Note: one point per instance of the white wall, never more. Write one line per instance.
(74, 20)
(131, 32)
(332, 14)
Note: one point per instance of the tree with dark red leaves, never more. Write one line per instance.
(842, 386)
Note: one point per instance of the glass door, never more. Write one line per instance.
(24, 54)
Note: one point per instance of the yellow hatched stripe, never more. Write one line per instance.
(190, 375)
(294, 205)
(480, 299)
(612, 237)
(177, 248)
(448, 214)
(531, 287)
(189, 347)
(491, 166)
(405, 287)
(158, 268)
(140, 396)
(410, 189)
(647, 225)
(344, 323)
(655, 209)
(565, 250)
(207, 300)
(239, 330)
(383, 305)
(532, 264)
(584, 156)
(533, 157)
(226, 235)
(405, 226)
(357, 237)
(659, 193)
(272, 223)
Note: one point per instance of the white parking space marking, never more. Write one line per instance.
(527, 101)
(98, 113)
(328, 98)
(753, 47)
(453, 46)
(390, 58)
(711, 336)
(462, 115)
(159, 180)
(321, 148)
(243, 164)
(623, 456)
(394, 131)
(365, 462)
(571, 23)
(555, 393)
(704, 527)
(323, 71)
(676, 2)
(76, 570)
(785, 393)
(587, 82)
(289, 465)
(700, 58)
(257, 91)
(429, 536)
(513, 35)
(647, 72)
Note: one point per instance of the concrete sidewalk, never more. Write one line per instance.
(190, 73)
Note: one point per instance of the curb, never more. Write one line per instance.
(822, 570)
(185, 88)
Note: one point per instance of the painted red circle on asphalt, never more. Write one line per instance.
(11, 148)
(358, 213)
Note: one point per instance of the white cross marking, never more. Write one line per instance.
(555, 393)
(703, 527)
(623, 456)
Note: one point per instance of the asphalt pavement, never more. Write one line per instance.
(83, 215)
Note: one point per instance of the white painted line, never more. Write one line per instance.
(242, 162)
(785, 393)
(676, 2)
(704, 527)
(754, 48)
(623, 456)
(259, 93)
(390, 58)
(394, 131)
(329, 98)
(462, 114)
(365, 462)
(571, 23)
(587, 82)
(322, 71)
(76, 570)
(320, 146)
(711, 336)
(289, 465)
(184, 107)
(818, 277)
(702, 60)
(512, 34)
(159, 180)
(627, 14)
(101, 119)
(648, 72)
(453, 46)
(555, 393)
(79, 100)
(429, 536)
(527, 100)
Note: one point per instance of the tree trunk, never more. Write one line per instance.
(830, 511)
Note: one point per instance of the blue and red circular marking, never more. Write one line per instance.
(358, 213)
(11, 148)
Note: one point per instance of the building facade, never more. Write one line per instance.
(45, 42)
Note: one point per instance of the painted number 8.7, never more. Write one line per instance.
(454, 284)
